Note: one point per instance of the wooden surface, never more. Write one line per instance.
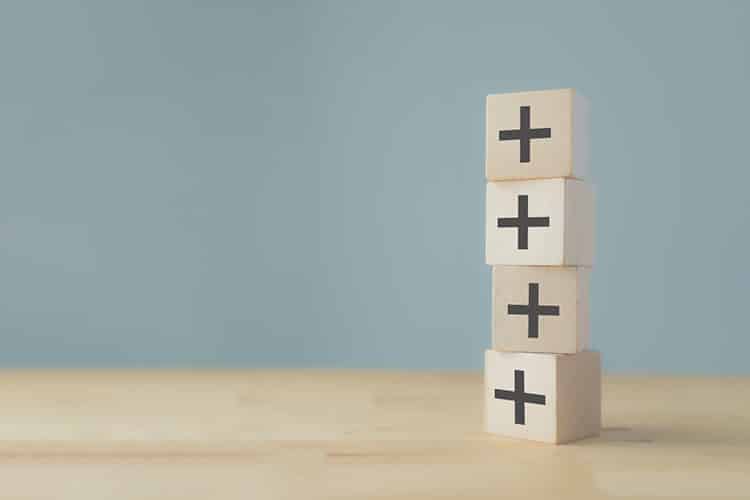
(372, 435)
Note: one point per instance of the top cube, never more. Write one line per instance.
(537, 135)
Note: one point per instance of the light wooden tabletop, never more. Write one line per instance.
(346, 434)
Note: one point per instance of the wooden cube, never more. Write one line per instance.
(554, 398)
(534, 135)
(540, 222)
(540, 309)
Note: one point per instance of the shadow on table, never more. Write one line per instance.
(666, 435)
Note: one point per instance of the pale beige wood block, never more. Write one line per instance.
(540, 222)
(555, 398)
(538, 134)
(540, 309)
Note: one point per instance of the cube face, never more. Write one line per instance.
(520, 375)
(541, 134)
(540, 309)
(553, 398)
(539, 222)
(579, 396)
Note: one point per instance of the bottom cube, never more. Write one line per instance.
(543, 397)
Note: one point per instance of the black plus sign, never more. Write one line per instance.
(525, 134)
(533, 310)
(519, 396)
(523, 222)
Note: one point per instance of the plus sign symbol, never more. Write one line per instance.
(523, 222)
(533, 310)
(520, 397)
(525, 134)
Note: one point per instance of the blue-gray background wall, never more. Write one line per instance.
(301, 183)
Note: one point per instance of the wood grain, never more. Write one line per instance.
(377, 435)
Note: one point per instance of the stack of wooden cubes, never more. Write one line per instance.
(541, 380)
